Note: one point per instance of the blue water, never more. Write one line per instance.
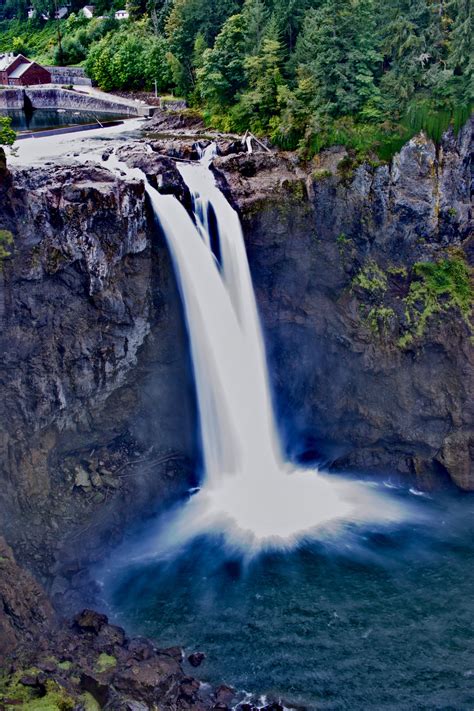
(378, 619)
(42, 119)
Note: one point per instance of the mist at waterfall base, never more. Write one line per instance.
(331, 592)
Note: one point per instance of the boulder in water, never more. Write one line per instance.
(196, 659)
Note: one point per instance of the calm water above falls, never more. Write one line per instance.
(42, 119)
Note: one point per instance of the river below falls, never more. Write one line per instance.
(375, 619)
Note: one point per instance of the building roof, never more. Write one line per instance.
(6, 60)
(91, 8)
(20, 70)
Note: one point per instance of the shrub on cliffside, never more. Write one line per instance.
(7, 134)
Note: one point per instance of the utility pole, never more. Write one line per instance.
(60, 40)
(156, 89)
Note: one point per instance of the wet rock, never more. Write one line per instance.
(95, 686)
(403, 410)
(143, 680)
(82, 479)
(224, 695)
(196, 659)
(140, 648)
(90, 621)
(110, 636)
(25, 611)
(176, 653)
(189, 689)
(160, 170)
(226, 148)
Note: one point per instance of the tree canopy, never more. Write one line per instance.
(307, 72)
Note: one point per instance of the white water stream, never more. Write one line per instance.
(249, 494)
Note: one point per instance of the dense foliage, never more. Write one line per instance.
(310, 73)
(7, 134)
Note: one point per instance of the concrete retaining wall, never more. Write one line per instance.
(69, 75)
(12, 99)
(55, 98)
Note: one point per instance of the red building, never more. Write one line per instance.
(17, 70)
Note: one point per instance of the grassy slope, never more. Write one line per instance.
(38, 42)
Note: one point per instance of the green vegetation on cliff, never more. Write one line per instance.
(310, 73)
(6, 243)
(20, 691)
(7, 134)
(430, 288)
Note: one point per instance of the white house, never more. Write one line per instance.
(31, 13)
(122, 15)
(88, 11)
(60, 13)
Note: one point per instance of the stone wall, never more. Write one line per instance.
(69, 75)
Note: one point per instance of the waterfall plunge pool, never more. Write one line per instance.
(375, 619)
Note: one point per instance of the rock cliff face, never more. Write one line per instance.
(371, 352)
(94, 376)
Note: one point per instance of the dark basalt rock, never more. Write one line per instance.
(140, 649)
(87, 655)
(196, 659)
(224, 695)
(357, 398)
(164, 121)
(160, 170)
(94, 365)
(90, 621)
(25, 611)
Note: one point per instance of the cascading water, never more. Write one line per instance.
(249, 494)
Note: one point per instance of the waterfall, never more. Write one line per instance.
(249, 494)
(255, 429)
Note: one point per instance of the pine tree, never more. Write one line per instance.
(222, 74)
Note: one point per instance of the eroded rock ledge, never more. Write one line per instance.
(97, 404)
